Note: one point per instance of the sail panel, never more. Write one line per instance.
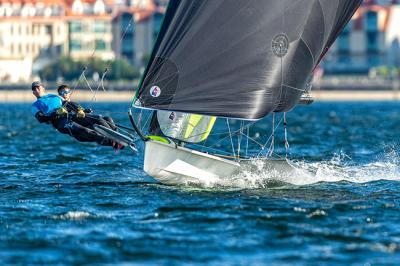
(185, 127)
(239, 59)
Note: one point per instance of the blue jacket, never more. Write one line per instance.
(48, 104)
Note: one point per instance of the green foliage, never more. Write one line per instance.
(69, 69)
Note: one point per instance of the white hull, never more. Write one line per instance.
(175, 165)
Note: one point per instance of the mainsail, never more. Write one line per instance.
(239, 59)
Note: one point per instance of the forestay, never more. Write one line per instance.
(239, 59)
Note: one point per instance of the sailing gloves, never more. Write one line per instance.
(80, 113)
(61, 112)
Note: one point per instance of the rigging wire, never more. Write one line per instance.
(230, 135)
(147, 120)
(101, 82)
(247, 140)
(286, 138)
(226, 133)
(275, 127)
(272, 146)
(240, 137)
(255, 141)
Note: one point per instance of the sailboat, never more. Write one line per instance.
(223, 59)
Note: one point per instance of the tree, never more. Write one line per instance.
(69, 69)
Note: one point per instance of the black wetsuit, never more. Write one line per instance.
(79, 128)
(90, 119)
(45, 111)
(83, 127)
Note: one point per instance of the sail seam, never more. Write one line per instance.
(294, 88)
(309, 49)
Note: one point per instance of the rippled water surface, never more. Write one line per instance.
(63, 202)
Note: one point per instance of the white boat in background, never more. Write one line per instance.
(233, 60)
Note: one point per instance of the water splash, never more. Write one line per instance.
(74, 215)
(259, 173)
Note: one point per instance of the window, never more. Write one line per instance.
(372, 42)
(75, 26)
(100, 27)
(127, 46)
(343, 43)
(100, 45)
(372, 21)
(75, 45)
(343, 48)
(157, 20)
(373, 60)
(127, 23)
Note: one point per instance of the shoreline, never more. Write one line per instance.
(18, 96)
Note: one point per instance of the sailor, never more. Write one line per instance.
(48, 108)
(84, 117)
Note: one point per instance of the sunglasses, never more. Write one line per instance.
(62, 93)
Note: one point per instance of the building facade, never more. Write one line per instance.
(30, 34)
(136, 29)
(371, 39)
(89, 30)
(35, 32)
(90, 37)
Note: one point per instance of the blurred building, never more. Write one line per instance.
(35, 32)
(135, 30)
(371, 39)
(29, 31)
(90, 32)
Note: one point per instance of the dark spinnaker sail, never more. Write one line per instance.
(239, 59)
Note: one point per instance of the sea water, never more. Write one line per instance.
(64, 202)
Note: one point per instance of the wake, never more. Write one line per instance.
(260, 174)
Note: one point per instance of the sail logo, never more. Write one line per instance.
(172, 116)
(155, 91)
(280, 45)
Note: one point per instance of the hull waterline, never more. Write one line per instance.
(175, 165)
